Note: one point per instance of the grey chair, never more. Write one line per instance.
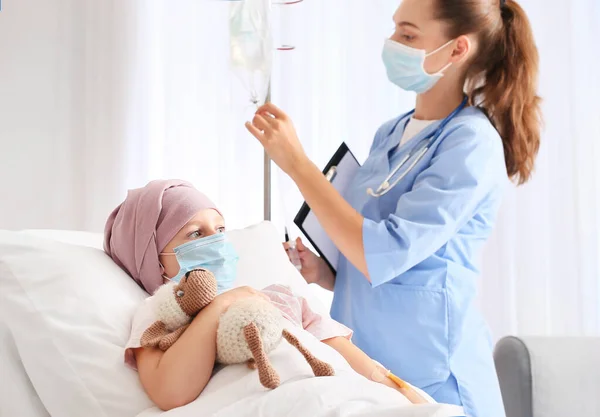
(549, 377)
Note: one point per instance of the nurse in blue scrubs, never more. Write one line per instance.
(417, 214)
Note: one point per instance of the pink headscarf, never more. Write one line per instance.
(140, 227)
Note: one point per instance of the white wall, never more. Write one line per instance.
(98, 96)
(40, 102)
(63, 111)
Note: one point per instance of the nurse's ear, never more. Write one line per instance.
(462, 50)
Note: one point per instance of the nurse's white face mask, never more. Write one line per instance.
(405, 66)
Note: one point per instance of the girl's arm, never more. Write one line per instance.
(177, 377)
(337, 336)
(364, 365)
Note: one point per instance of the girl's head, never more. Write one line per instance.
(156, 219)
(493, 55)
(204, 223)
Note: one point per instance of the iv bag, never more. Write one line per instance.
(251, 50)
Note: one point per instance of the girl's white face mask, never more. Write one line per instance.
(405, 66)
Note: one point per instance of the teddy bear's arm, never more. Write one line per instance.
(169, 340)
(153, 335)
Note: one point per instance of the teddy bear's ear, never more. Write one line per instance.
(197, 270)
(153, 335)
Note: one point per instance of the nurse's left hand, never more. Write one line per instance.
(276, 132)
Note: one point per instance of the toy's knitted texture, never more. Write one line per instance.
(232, 346)
(268, 377)
(247, 332)
(175, 304)
(319, 367)
(167, 309)
(199, 292)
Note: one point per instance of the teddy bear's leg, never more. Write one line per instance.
(251, 363)
(319, 367)
(169, 340)
(267, 375)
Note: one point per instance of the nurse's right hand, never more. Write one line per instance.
(314, 268)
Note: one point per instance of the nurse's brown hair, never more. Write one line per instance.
(502, 77)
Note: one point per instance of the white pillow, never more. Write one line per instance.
(262, 260)
(17, 395)
(69, 309)
(93, 240)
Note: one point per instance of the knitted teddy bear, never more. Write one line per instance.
(248, 331)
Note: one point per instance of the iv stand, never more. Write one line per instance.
(267, 172)
(266, 160)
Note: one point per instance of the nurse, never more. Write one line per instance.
(410, 239)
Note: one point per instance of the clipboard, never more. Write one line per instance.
(339, 171)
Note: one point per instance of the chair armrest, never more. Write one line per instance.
(549, 376)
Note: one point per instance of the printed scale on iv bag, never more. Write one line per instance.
(251, 54)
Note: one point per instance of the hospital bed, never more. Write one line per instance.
(65, 316)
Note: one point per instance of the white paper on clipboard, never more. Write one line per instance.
(340, 171)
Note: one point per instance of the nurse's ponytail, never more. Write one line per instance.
(502, 78)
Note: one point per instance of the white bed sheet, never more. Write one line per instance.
(17, 395)
(235, 391)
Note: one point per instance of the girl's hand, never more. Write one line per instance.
(223, 301)
(412, 395)
(367, 367)
(276, 133)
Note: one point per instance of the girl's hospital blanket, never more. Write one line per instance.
(235, 391)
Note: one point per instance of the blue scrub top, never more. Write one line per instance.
(422, 241)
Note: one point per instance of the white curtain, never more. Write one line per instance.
(333, 84)
(187, 109)
(97, 97)
(541, 270)
(100, 96)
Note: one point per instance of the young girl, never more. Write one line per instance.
(141, 235)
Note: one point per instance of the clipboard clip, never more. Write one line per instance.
(331, 174)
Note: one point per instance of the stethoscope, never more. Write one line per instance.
(417, 152)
